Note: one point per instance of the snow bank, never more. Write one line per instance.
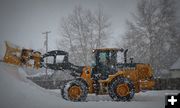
(18, 92)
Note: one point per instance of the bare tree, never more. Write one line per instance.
(82, 31)
(102, 27)
(140, 33)
(152, 36)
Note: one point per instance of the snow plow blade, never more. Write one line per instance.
(17, 56)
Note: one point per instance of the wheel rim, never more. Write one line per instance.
(74, 92)
(122, 89)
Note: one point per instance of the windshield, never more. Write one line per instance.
(103, 56)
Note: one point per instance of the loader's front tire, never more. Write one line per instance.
(75, 90)
(121, 89)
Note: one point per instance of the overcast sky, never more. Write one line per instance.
(23, 21)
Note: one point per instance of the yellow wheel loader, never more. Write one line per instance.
(107, 76)
(118, 80)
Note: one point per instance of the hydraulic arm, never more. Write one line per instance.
(30, 58)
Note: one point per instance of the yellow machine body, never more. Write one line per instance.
(141, 76)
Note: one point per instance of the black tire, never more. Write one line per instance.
(113, 86)
(80, 83)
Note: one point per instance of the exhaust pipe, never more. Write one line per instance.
(125, 56)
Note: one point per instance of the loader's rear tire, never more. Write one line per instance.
(121, 89)
(75, 90)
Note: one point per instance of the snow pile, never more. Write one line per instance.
(18, 92)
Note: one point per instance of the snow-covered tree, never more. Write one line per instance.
(152, 36)
(82, 31)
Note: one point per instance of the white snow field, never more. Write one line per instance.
(18, 92)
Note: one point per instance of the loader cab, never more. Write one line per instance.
(105, 61)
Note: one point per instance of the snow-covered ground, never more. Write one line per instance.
(18, 92)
